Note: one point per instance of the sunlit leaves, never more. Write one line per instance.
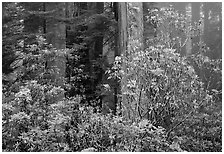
(157, 71)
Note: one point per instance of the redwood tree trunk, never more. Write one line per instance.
(122, 46)
(55, 32)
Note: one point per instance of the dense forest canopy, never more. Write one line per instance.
(111, 76)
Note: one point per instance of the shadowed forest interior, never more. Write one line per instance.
(112, 76)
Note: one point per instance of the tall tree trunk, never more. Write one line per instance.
(189, 40)
(123, 41)
(56, 33)
(96, 48)
(98, 51)
(56, 30)
(135, 38)
(137, 32)
(202, 26)
(195, 18)
(117, 88)
(44, 20)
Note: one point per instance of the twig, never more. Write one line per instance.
(168, 133)
(139, 101)
(184, 43)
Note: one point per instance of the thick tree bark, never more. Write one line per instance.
(123, 42)
(117, 88)
(136, 40)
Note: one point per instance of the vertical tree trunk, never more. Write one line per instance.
(202, 25)
(206, 21)
(117, 88)
(137, 33)
(135, 39)
(96, 48)
(56, 33)
(189, 40)
(56, 30)
(44, 20)
(195, 18)
(122, 46)
(98, 51)
(91, 7)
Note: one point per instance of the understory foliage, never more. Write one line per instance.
(180, 93)
(163, 87)
(36, 117)
(172, 107)
(62, 132)
(178, 109)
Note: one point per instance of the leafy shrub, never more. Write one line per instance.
(158, 78)
(164, 88)
(67, 126)
(29, 93)
(28, 109)
(35, 119)
(108, 133)
(181, 94)
(167, 98)
(209, 70)
(104, 133)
